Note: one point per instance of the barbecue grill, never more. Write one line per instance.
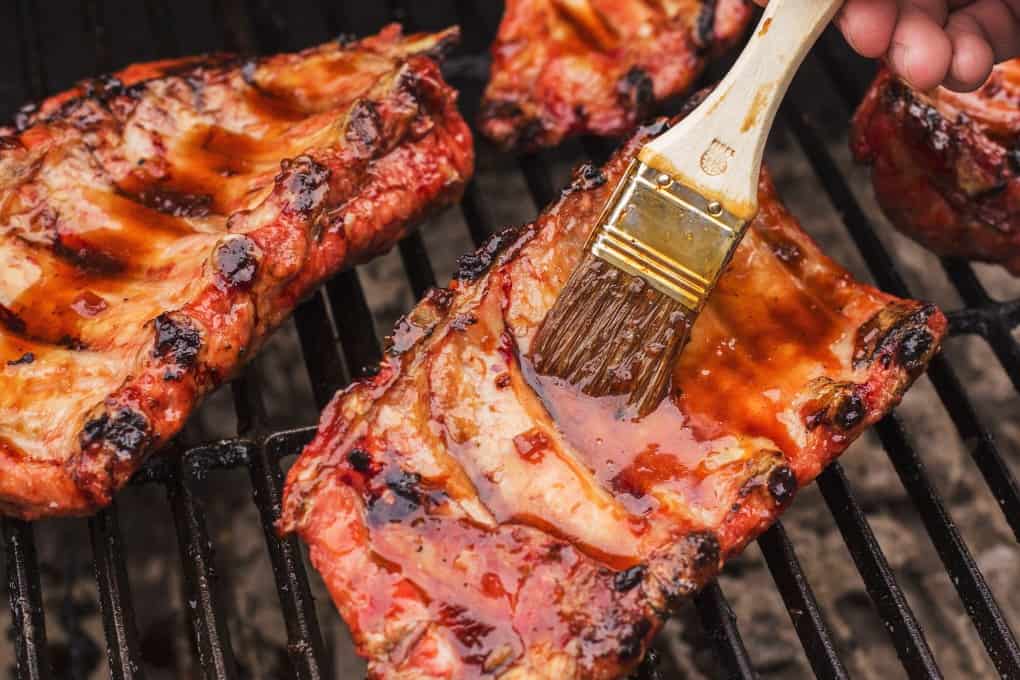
(46, 48)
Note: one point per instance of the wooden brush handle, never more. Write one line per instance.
(717, 149)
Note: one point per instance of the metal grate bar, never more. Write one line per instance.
(479, 221)
(720, 624)
(209, 633)
(417, 264)
(353, 323)
(982, 447)
(27, 618)
(536, 174)
(326, 367)
(977, 599)
(807, 618)
(997, 325)
(304, 639)
(889, 601)
(115, 603)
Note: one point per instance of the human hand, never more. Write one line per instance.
(953, 43)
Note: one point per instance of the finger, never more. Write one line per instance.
(973, 56)
(921, 52)
(868, 25)
(997, 22)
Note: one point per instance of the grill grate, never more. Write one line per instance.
(339, 343)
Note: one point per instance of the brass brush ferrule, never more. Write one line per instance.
(673, 238)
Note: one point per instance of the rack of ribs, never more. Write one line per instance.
(473, 519)
(946, 166)
(569, 67)
(158, 224)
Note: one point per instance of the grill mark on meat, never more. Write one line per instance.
(176, 203)
(364, 128)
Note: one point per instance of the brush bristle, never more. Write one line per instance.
(611, 333)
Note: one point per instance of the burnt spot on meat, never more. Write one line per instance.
(126, 431)
(177, 339)
(587, 176)
(633, 643)
(1013, 158)
(501, 109)
(24, 359)
(404, 498)
(704, 27)
(628, 579)
(462, 322)
(681, 569)
(836, 404)
(364, 128)
(472, 266)
(788, 252)
(503, 380)
(898, 332)
(915, 347)
(248, 70)
(637, 91)
(25, 115)
(405, 484)
(360, 460)
(782, 484)
(306, 181)
(850, 412)
(176, 203)
(236, 263)
(72, 343)
(104, 87)
(346, 39)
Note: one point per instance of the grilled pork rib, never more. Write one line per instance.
(567, 67)
(155, 226)
(946, 166)
(472, 519)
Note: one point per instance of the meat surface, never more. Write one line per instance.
(568, 67)
(472, 519)
(946, 166)
(156, 225)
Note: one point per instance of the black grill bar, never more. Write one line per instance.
(891, 605)
(977, 599)
(115, 603)
(27, 617)
(807, 618)
(304, 641)
(208, 625)
(417, 264)
(720, 625)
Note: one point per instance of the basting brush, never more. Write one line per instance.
(672, 225)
